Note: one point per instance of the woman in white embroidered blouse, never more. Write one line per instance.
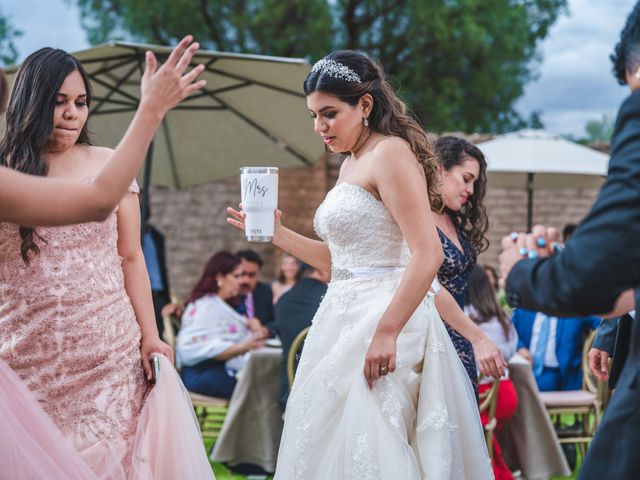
(214, 340)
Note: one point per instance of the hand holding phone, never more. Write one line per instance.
(155, 368)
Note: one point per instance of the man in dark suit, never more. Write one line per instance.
(256, 298)
(598, 264)
(294, 312)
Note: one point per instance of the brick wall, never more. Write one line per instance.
(194, 220)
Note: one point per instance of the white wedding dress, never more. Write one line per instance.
(420, 422)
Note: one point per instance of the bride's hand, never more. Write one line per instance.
(489, 357)
(237, 219)
(381, 357)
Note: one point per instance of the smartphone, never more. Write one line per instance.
(155, 368)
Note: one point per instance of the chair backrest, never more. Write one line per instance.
(489, 403)
(172, 322)
(489, 398)
(589, 381)
(296, 346)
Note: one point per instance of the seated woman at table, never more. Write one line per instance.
(483, 308)
(214, 340)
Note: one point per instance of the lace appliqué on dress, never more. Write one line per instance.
(437, 420)
(364, 464)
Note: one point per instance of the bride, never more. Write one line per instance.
(380, 391)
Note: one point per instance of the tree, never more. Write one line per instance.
(459, 64)
(8, 50)
(599, 130)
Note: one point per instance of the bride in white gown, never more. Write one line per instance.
(380, 392)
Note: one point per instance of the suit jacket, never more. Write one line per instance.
(570, 334)
(601, 260)
(158, 241)
(293, 313)
(262, 304)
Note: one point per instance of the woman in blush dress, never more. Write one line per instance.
(76, 322)
(32, 200)
(380, 391)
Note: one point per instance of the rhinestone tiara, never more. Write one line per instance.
(336, 70)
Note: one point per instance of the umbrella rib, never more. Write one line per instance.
(172, 157)
(256, 82)
(109, 67)
(116, 87)
(266, 133)
(121, 92)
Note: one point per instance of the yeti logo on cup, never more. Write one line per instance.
(259, 193)
(253, 188)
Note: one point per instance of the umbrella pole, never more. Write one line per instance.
(146, 182)
(529, 202)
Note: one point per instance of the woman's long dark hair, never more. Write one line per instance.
(472, 218)
(220, 263)
(24, 144)
(483, 299)
(389, 115)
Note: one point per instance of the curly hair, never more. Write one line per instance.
(25, 142)
(389, 115)
(626, 56)
(472, 218)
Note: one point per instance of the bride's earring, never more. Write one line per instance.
(637, 74)
(219, 283)
(365, 120)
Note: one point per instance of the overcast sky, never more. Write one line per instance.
(575, 81)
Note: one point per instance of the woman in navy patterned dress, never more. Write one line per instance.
(462, 226)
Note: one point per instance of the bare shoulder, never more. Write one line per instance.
(100, 154)
(394, 155)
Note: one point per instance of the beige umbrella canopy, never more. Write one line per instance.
(252, 112)
(533, 159)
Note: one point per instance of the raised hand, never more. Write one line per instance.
(165, 87)
(236, 219)
(541, 242)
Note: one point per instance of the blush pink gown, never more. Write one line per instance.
(69, 332)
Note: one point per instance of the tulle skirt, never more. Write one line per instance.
(420, 422)
(167, 444)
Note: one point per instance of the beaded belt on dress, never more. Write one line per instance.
(362, 272)
(338, 274)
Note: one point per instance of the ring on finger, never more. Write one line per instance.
(384, 370)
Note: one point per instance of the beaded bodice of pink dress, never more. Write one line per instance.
(67, 328)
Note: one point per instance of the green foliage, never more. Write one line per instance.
(459, 64)
(8, 50)
(599, 130)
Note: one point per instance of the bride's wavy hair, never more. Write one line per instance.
(389, 115)
(472, 218)
(29, 119)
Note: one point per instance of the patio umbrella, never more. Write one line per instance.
(532, 159)
(252, 112)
